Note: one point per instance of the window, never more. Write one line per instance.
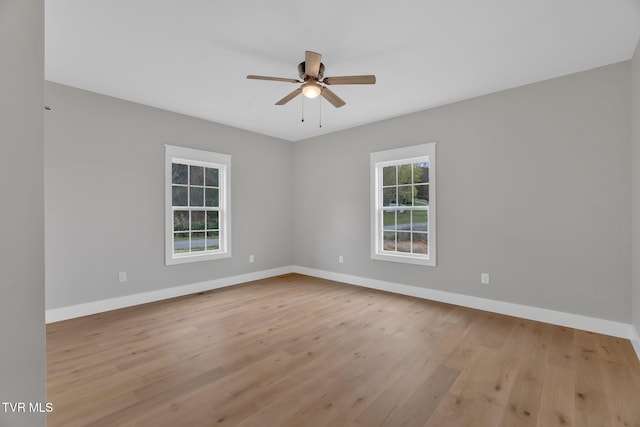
(197, 217)
(403, 224)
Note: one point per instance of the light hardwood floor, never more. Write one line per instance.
(299, 351)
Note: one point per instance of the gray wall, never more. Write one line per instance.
(635, 148)
(534, 187)
(22, 347)
(104, 197)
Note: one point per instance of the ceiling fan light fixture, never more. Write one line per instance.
(311, 89)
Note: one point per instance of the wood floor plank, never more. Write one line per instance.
(299, 351)
(618, 381)
(524, 400)
(416, 410)
(395, 395)
(557, 403)
(83, 413)
(562, 343)
(346, 386)
(480, 393)
(311, 389)
(592, 406)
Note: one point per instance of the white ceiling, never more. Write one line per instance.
(192, 56)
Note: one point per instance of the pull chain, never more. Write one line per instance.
(302, 109)
(320, 100)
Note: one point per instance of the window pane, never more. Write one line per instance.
(421, 172)
(389, 220)
(213, 240)
(178, 196)
(179, 173)
(196, 196)
(389, 241)
(181, 221)
(197, 220)
(420, 243)
(389, 175)
(197, 242)
(404, 220)
(405, 195)
(211, 177)
(389, 197)
(196, 174)
(212, 220)
(421, 193)
(419, 220)
(211, 197)
(180, 242)
(404, 174)
(404, 241)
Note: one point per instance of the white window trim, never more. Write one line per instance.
(223, 163)
(407, 154)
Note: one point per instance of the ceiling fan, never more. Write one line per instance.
(311, 72)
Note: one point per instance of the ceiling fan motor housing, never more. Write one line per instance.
(303, 73)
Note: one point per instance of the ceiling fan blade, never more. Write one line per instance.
(350, 80)
(289, 97)
(334, 99)
(276, 79)
(312, 63)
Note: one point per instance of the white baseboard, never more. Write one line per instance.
(576, 321)
(635, 340)
(79, 310)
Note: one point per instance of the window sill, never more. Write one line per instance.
(404, 258)
(196, 258)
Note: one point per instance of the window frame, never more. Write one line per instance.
(397, 156)
(222, 162)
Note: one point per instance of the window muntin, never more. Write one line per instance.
(405, 207)
(197, 205)
(403, 223)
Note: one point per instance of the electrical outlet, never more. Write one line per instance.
(341, 259)
(251, 258)
(484, 278)
(122, 276)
